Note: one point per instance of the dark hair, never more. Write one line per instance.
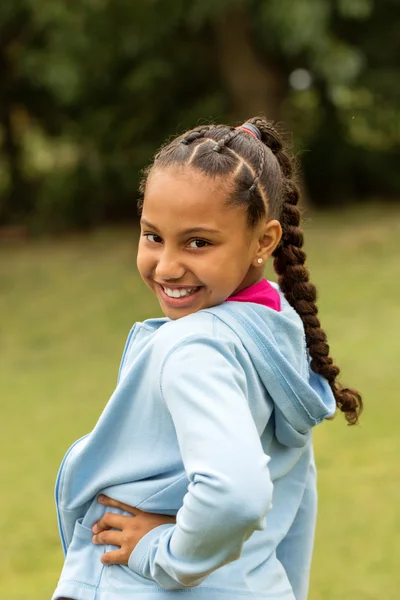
(260, 176)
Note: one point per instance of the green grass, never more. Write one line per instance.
(66, 307)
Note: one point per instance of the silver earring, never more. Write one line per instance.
(259, 261)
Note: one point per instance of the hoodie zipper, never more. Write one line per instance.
(58, 494)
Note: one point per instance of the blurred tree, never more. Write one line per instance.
(90, 88)
(14, 195)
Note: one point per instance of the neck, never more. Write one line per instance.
(254, 275)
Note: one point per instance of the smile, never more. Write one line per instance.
(178, 296)
(179, 292)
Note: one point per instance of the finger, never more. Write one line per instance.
(106, 501)
(116, 557)
(110, 537)
(108, 521)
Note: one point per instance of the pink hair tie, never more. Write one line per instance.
(251, 129)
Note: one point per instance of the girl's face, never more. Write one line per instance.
(195, 250)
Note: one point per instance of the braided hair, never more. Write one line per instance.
(260, 176)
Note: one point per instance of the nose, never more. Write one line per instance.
(169, 267)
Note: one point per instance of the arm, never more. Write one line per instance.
(230, 490)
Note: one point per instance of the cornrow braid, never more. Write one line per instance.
(225, 140)
(168, 150)
(294, 279)
(260, 167)
(257, 203)
(198, 133)
(195, 134)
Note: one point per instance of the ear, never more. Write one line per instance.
(270, 233)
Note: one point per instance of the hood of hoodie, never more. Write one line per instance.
(276, 344)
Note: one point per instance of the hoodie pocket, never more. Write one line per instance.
(82, 562)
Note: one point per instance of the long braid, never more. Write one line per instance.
(294, 280)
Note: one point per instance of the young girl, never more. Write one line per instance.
(198, 481)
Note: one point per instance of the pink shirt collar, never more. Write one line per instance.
(259, 293)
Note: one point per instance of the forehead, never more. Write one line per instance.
(185, 197)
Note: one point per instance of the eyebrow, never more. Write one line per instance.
(190, 231)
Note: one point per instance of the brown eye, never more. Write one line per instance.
(152, 237)
(198, 244)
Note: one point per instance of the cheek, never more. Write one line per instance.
(222, 277)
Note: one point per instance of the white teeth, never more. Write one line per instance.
(178, 293)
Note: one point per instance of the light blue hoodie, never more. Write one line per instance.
(210, 420)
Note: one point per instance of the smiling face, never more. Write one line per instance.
(195, 249)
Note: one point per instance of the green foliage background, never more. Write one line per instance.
(90, 88)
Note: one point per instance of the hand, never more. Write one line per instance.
(123, 531)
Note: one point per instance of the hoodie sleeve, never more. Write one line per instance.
(230, 489)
